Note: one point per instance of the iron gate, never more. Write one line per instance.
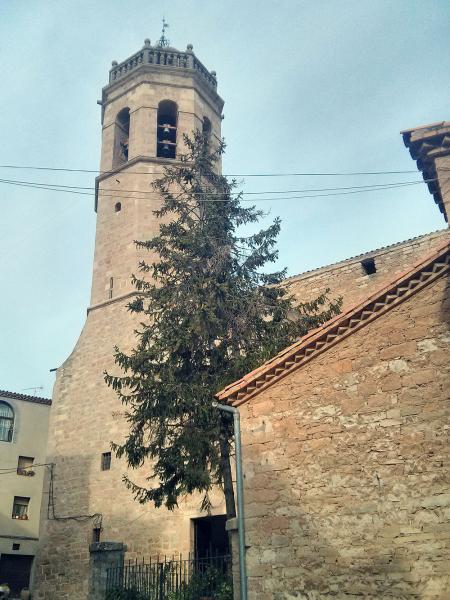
(206, 578)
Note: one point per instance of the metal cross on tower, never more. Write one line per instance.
(163, 41)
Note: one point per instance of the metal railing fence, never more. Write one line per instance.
(192, 578)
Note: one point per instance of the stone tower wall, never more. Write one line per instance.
(86, 417)
(116, 256)
(86, 414)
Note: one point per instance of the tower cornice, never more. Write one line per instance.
(155, 59)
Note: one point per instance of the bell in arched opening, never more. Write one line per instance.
(167, 129)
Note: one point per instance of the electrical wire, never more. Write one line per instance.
(209, 194)
(298, 174)
(7, 471)
(51, 514)
(118, 194)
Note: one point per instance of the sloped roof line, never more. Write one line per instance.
(429, 268)
(359, 257)
(4, 394)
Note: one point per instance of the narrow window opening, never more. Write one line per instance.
(6, 422)
(121, 137)
(167, 129)
(25, 465)
(16, 546)
(96, 533)
(106, 461)
(118, 207)
(368, 265)
(20, 508)
(111, 287)
(206, 127)
(210, 536)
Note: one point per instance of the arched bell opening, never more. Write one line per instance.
(206, 127)
(121, 137)
(167, 129)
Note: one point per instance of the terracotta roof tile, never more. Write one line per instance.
(25, 397)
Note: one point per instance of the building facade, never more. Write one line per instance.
(23, 441)
(345, 433)
(152, 99)
(346, 453)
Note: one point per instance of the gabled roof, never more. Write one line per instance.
(431, 267)
(369, 254)
(14, 396)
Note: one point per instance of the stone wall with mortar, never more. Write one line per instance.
(116, 256)
(348, 278)
(346, 462)
(86, 416)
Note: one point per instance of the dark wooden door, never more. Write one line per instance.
(15, 571)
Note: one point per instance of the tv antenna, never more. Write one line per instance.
(35, 389)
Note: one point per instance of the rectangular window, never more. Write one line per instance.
(20, 508)
(106, 461)
(25, 465)
(368, 265)
(96, 532)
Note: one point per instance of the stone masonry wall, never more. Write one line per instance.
(86, 416)
(346, 462)
(348, 279)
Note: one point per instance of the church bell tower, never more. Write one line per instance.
(152, 99)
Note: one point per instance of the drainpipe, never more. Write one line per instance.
(240, 495)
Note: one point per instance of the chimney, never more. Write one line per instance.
(429, 145)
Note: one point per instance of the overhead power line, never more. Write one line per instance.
(115, 191)
(297, 174)
(119, 195)
(8, 470)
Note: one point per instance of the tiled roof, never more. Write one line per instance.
(426, 144)
(369, 253)
(14, 396)
(319, 340)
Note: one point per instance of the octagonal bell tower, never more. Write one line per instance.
(152, 99)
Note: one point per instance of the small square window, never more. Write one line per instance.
(368, 265)
(16, 546)
(20, 508)
(106, 461)
(24, 465)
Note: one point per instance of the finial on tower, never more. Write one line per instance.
(163, 41)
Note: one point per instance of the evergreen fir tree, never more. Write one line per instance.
(209, 314)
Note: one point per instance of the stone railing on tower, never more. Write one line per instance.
(163, 57)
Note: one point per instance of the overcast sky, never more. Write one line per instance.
(309, 86)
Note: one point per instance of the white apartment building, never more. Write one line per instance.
(23, 440)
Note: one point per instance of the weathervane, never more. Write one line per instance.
(163, 42)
